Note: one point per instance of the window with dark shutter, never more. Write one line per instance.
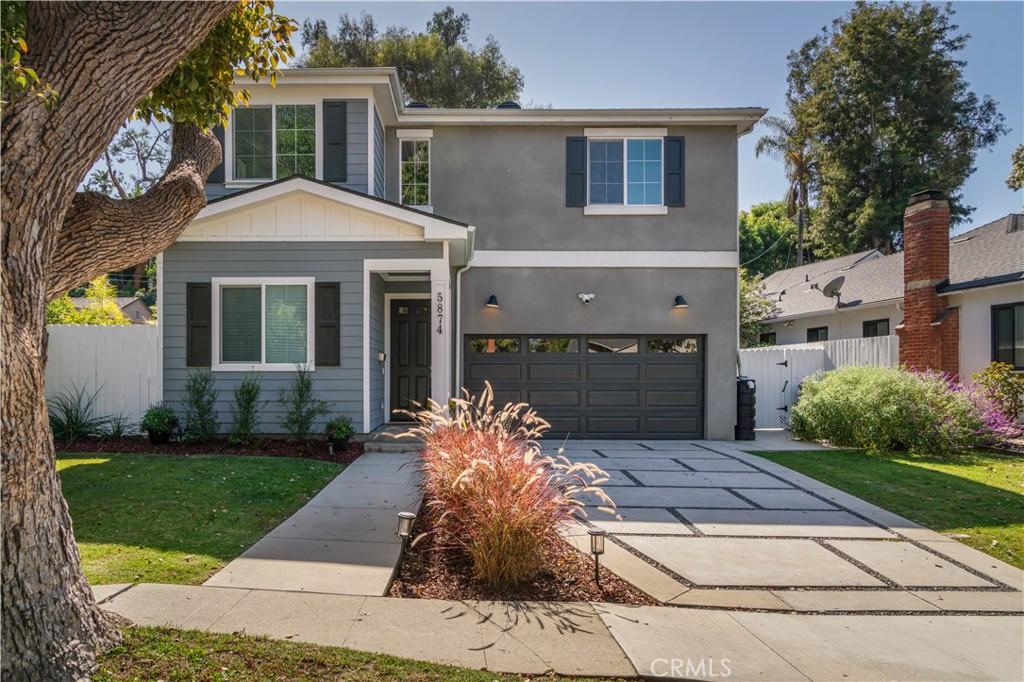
(217, 176)
(197, 324)
(335, 141)
(328, 324)
(575, 171)
(675, 164)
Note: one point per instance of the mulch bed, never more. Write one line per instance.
(264, 447)
(429, 571)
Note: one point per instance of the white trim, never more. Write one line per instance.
(429, 206)
(626, 209)
(262, 366)
(624, 132)
(414, 134)
(433, 228)
(229, 132)
(387, 344)
(160, 310)
(371, 147)
(605, 259)
(440, 352)
(1011, 283)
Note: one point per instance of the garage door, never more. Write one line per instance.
(597, 386)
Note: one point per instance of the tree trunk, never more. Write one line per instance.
(101, 58)
(800, 236)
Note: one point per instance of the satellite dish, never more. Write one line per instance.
(831, 289)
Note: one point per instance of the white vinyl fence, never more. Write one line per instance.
(778, 370)
(121, 362)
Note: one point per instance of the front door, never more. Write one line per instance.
(410, 355)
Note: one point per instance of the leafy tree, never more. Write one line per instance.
(438, 66)
(786, 140)
(1016, 179)
(767, 238)
(172, 62)
(755, 307)
(101, 309)
(882, 96)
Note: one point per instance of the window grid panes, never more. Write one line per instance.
(643, 172)
(875, 328)
(296, 140)
(264, 324)
(253, 143)
(415, 171)
(606, 172)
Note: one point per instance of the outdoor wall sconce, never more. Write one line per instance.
(597, 537)
(680, 303)
(404, 531)
(382, 357)
(492, 302)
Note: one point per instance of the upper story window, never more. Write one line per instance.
(414, 167)
(626, 172)
(274, 141)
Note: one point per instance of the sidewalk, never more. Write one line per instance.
(600, 639)
(342, 541)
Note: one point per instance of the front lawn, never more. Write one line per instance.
(160, 654)
(178, 519)
(979, 495)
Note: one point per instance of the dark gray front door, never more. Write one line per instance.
(599, 385)
(410, 354)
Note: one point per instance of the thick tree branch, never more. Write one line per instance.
(101, 234)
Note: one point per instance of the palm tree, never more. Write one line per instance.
(785, 140)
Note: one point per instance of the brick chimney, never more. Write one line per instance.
(930, 332)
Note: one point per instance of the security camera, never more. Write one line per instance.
(586, 298)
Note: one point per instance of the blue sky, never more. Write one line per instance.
(700, 54)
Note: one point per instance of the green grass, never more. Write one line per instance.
(161, 654)
(978, 494)
(177, 518)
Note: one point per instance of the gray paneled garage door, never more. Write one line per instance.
(597, 386)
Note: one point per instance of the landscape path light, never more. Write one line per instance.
(597, 538)
(404, 530)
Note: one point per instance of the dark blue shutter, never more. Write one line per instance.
(575, 171)
(335, 141)
(675, 174)
(217, 175)
(198, 324)
(328, 324)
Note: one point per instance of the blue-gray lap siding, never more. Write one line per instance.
(357, 138)
(378, 156)
(340, 262)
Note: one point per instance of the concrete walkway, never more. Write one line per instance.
(343, 541)
(599, 639)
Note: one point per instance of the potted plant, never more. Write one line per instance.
(160, 423)
(338, 431)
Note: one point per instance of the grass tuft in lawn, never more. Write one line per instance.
(178, 519)
(162, 654)
(978, 495)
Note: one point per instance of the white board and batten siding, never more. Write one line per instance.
(120, 362)
(779, 370)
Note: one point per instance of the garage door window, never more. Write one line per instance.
(666, 344)
(553, 344)
(494, 345)
(611, 345)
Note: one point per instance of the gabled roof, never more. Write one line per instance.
(83, 302)
(985, 256)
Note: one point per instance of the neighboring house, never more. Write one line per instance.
(133, 307)
(583, 261)
(976, 280)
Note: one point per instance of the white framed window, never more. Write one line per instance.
(414, 167)
(274, 141)
(262, 324)
(625, 172)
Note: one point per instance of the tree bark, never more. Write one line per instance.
(101, 58)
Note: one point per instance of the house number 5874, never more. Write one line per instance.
(439, 310)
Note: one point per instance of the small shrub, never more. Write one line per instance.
(881, 408)
(71, 415)
(245, 412)
(300, 407)
(200, 407)
(1004, 386)
(497, 498)
(118, 426)
(339, 429)
(159, 420)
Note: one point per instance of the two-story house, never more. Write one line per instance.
(583, 261)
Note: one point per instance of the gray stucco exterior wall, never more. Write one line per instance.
(509, 181)
(340, 262)
(627, 301)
